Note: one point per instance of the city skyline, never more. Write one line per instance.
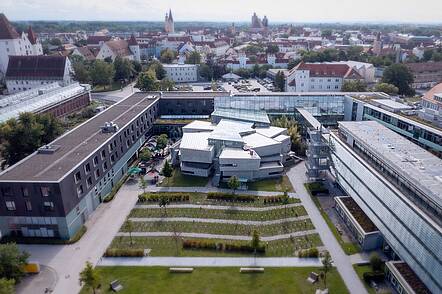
(375, 11)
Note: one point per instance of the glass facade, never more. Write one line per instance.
(411, 234)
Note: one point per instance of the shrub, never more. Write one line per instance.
(377, 276)
(127, 252)
(155, 197)
(231, 197)
(316, 188)
(375, 262)
(311, 252)
(219, 246)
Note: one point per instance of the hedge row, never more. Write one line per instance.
(377, 277)
(155, 197)
(311, 252)
(231, 197)
(273, 199)
(219, 246)
(129, 252)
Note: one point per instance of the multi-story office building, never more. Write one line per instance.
(181, 73)
(52, 192)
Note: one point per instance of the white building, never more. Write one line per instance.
(181, 73)
(13, 43)
(366, 70)
(120, 48)
(320, 77)
(29, 72)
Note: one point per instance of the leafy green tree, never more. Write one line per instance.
(143, 183)
(254, 49)
(90, 278)
(428, 54)
(147, 81)
(205, 72)
(123, 68)
(167, 169)
(326, 266)
(375, 262)
(233, 183)
(7, 286)
(354, 86)
(292, 130)
(162, 141)
(81, 69)
(272, 49)
(12, 262)
(293, 63)
(166, 84)
(164, 201)
(102, 73)
(130, 229)
(145, 154)
(386, 88)
(193, 58)
(55, 42)
(243, 72)
(137, 67)
(158, 68)
(280, 81)
(400, 76)
(168, 56)
(256, 241)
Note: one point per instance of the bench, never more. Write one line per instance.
(313, 278)
(181, 269)
(116, 286)
(251, 270)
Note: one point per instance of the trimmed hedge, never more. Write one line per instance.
(128, 252)
(219, 246)
(377, 276)
(231, 197)
(311, 252)
(155, 197)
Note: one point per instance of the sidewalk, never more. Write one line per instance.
(211, 261)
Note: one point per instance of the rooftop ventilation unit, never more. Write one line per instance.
(109, 127)
(48, 149)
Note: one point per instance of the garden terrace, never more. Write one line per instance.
(363, 220)
(411, 278)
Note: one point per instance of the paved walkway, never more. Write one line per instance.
(218, 220)
(211, 261)
(340, 259)
(214, 236)
(219, 207)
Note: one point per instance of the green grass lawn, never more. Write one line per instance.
(167, 246)
(220, 228)
(215, 280)
(231, 213)
(278, 185)
(360, 270)
(179, 180)
(348, 247)
(113, 87)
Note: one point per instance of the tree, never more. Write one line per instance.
(12, 262)
(293, 131)
(90, 277)
(285, 202)
(193, 58)
(206, 72)
(167, 56)
(354, 86)
(137, 67)
(162, 141)
(167, 169)
(55, 42)
(158, 68)
(280, 81)
(242, 72)
(386, 88)
(293, 63)
(233, 183)
(400, 76)
(81, 69)
(256, 241)
(326, 266)
(272, 49)
(164, 201)
(147, 81)
(7, 286)
(123, 68)
(143, 184)
(130, 229)
(375, 262)
(145, 154)
(166, 84)
(102, 73)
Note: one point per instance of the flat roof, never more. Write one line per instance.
(242, 114)
(189, 95)
(78, 144)
(257, 140)
(237, 153)
(414, 163)
(200, 125)
(271, 131)
(392, 104)
(229, 130)
(196, 141)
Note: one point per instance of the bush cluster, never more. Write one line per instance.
(273, 199)
(316, 188)
(219, 246)
(155, 197)
(311, 252)
(127, 252)
(377, 276)
(231, 197)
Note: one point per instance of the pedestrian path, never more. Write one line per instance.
(218, 221)
(215, 236)
(219, 207)
(211, 261)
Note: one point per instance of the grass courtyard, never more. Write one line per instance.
(178, 179)
(215, 280)
(281, 184)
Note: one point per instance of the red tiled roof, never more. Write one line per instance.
(86, 52)
(119, 47)
(31, 36)
(132, 41)
(95, 40)
(328, 70)
(36, 66)
(425, 66)
(7, 31)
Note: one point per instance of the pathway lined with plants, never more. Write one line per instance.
(215, 236)
(218, 221)
(219, 207)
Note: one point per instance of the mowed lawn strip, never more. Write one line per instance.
(215, 280)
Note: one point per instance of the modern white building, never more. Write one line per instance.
(181, 73)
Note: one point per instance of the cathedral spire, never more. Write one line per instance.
(170, 15)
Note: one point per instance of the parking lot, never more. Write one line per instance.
(249, 85)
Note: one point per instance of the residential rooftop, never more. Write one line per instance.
(77, 144)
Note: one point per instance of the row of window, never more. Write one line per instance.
(44, 190)
(47, 205)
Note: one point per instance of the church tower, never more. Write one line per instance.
(169, 26)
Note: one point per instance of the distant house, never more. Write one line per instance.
(28, 72)
(120, 48)
(426, 74)
(84, 52)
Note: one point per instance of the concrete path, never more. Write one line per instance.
(211, 261)
(218, 220)
(47, 278)
(340, 259)
(219, 207)
(214, 236)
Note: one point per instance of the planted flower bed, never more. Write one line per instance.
(156, 197)
(219, 246)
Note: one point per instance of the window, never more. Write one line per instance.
(104, 166)
(103, 154)
(87, 168)
(89, 182)
(48, 205)
(28, 205)
(112, 158)
(97, 174)
(10, 205)
(95, 161)
(25, 192)
(7, 191)
(80, 190)
(77, 177)
(45, 191)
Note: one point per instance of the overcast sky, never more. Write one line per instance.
(227, 10)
